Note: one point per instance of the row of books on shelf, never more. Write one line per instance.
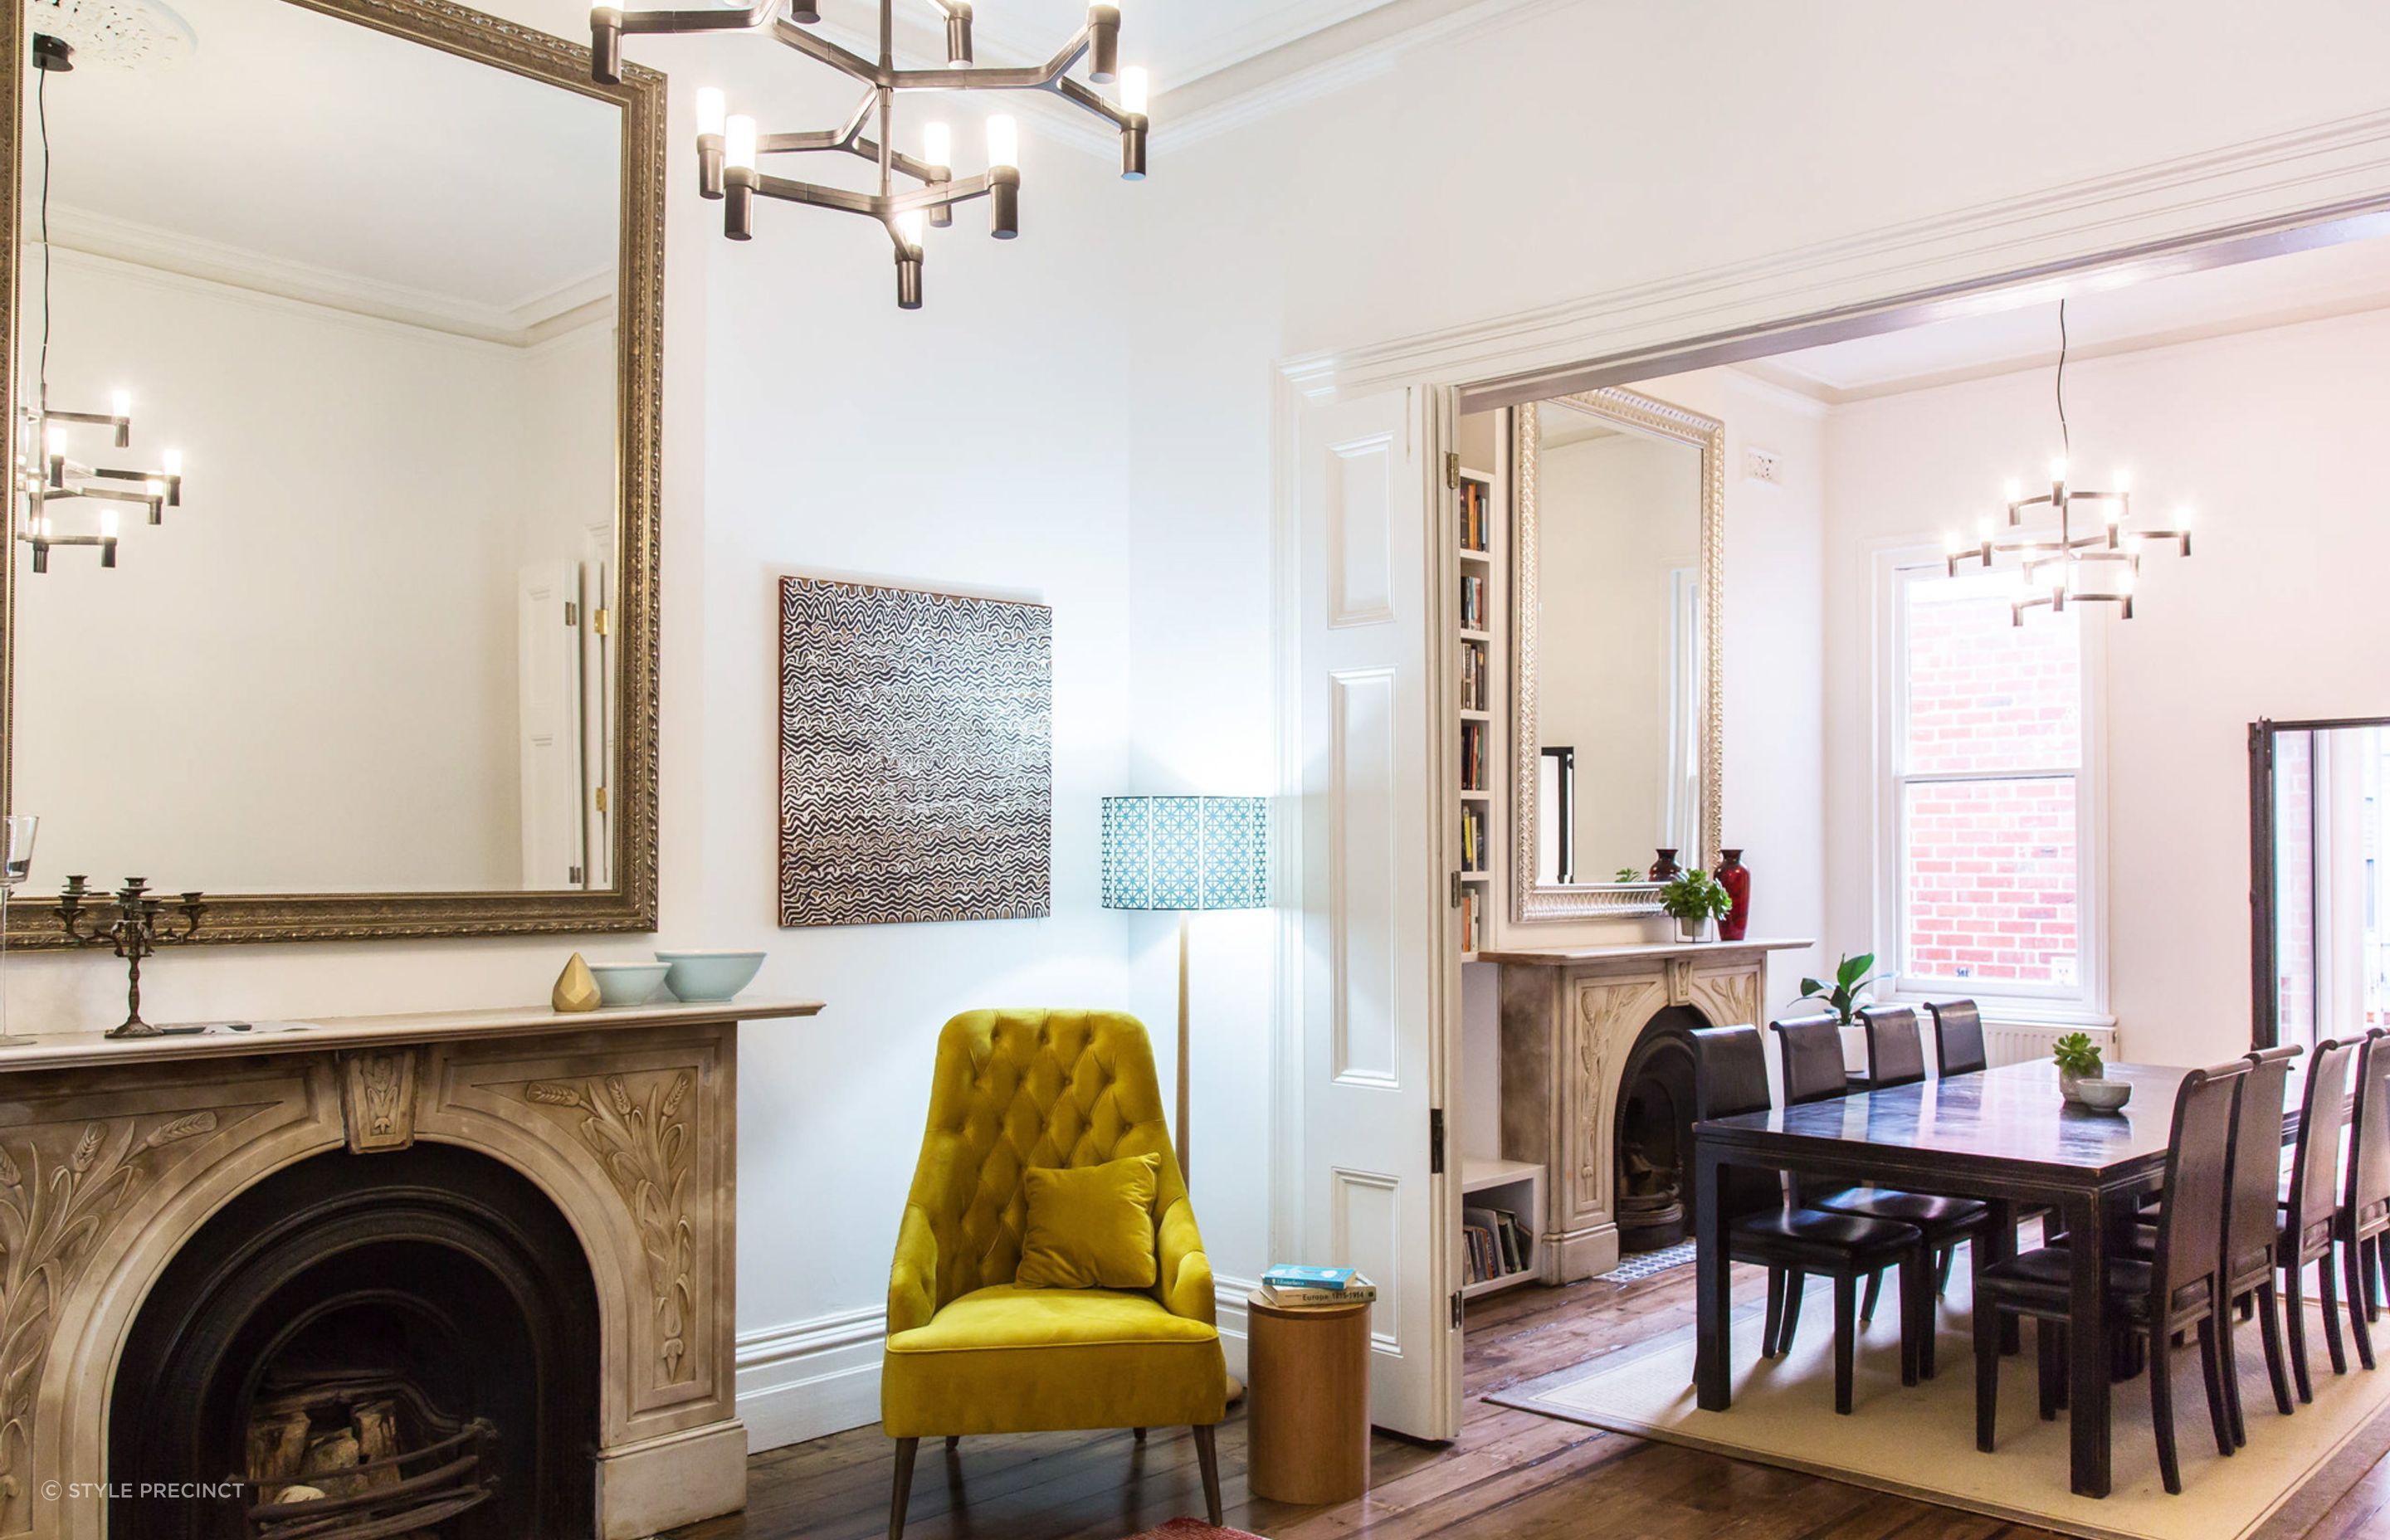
(1475, 692)
(1472, 601)
(1293, 1286)
(1498, 1245)
(1473, 919)
(1474, 497)
(1473, 837)
(1472, 756)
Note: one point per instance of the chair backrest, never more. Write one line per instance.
(1958, 1038)
(2315, 1168)
(2368, 1128)
(1895, 1052)
(2199, 1150)
(1731, 1078)
(1018, 1089)
(2251, 1219)
(1812, 1051)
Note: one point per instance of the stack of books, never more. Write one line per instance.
(1292, 1288)
(1498, 1245)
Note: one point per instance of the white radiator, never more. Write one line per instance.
(2016, 1043)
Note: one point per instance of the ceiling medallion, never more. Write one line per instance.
(2067, 555)
(729, 144)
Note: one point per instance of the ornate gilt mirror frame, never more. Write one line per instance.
(630, 903)
(1532, 901)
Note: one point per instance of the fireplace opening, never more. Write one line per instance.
(1653, 1157)
(396, 1344)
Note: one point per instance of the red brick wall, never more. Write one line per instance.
(1991, 864)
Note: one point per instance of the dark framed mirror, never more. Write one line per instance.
(2319, 878)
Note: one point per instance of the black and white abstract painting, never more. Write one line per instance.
(916, 755)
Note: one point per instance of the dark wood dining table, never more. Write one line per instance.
(2002, 1135)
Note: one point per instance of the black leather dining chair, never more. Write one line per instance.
(1958, 1038)
(2365, 1204)
(1810, 1048)
(2179, 1288)
(2310, 1211)
(1731, 1078)
(2252, 1225)
(1895, 1052)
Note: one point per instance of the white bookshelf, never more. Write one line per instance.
(1473, 803)
(1516, 1187)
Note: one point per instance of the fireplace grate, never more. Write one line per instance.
(454, 1482)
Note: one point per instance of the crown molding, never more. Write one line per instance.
(2282, 191)
(529, 320)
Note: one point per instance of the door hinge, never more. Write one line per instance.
(601, 799)
(572, 613)
(1455, 901)
(1452, 469)
(1436, 1141)
(601, 620)
(1455, 1310)
(572, 875)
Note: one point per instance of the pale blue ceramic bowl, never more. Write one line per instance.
(627, 983)
(709, 975)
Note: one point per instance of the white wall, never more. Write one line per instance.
(2277, 613)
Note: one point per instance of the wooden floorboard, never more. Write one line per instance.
(1510, 1474)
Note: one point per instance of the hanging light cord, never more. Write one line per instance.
(2065, 441)
(42, 114)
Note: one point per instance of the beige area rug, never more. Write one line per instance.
(1921, 1442)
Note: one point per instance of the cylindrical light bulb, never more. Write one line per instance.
(120, 403)
(58, 438)
(1954, 543)
(2014, 493)
(1983, 529)
(2124, 479)
(712, 107)
(938, 144)
(154, 487)
(1003, 141)
(2182, 516)
(739, 142)
(1133, 85)
(908, 225)
(173, 462)
(2058, 467)
(2114, 513)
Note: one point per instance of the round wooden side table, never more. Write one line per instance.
(1308, 1416)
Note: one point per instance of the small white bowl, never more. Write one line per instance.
(627, 983)
(2104, 1096)
(710, 975)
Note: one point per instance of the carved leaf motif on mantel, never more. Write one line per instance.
(1728, 999)
(62, 1187)
(1606, 1010)
(635, 1127)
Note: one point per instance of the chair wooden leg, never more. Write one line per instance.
(1207, 1454)
(2049, 1368)
(1922, 1316)
(2371, 1267)
(1874, 1292)
(1942, 1274)
(953, 1441)
(2211, 1365)
(906, 1449)
(2294, 1313)
(2162, 1410)
(2359, 1268)
(2327, 1288)
(2382, 1258)
(1793, 1281)
(1988, 1372)
(1137, 1433)
(1775, 1322)
(1845, 1339)
(2269, 1317)
(2227, 1354)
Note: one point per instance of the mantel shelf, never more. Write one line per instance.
(76, 1050)
(1561, 958)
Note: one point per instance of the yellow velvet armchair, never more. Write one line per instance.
(969, 1351)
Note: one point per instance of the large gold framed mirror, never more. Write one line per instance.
(333, 398)
(1618, 544)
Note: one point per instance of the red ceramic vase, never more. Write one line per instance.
(1735, 878)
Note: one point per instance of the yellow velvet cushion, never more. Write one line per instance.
(1090, 1227)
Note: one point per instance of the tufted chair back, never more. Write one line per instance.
(1017, 1089)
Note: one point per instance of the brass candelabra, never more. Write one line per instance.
(141, 926)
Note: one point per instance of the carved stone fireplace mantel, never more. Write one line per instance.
(1571, 1019)
(114, 1154)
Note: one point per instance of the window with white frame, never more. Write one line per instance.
(1988, 856)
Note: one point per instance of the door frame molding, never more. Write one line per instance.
(2315, 185)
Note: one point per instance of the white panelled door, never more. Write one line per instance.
(548, 693)
(1373, 891)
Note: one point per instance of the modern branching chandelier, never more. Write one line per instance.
(2067, 555)
(46, 471)
(729, 144)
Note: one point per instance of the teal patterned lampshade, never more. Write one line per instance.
(1186, 852)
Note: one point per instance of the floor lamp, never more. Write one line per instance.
(1182, 854)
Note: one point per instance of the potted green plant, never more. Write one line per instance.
(1848, 990)
(1693, 898)
(2078, 1059)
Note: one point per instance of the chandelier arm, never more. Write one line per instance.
(982, 77)
(872, 205)
(1079, 95)
(822, 49)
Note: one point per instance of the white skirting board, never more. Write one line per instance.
(809, 1378)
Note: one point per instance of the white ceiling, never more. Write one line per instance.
(2330, 280)
(329, 154)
